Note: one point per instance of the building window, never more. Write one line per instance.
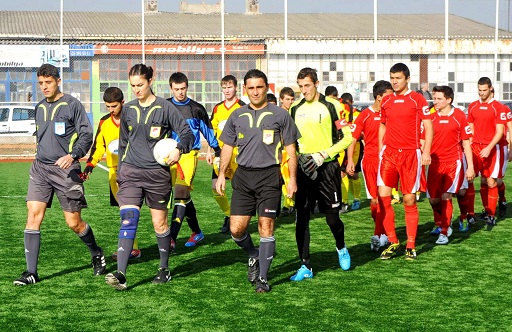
(332, 66)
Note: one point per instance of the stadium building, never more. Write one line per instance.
(99, 49)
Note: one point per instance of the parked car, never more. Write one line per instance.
(17, 119)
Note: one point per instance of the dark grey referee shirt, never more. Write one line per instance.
(260, 135)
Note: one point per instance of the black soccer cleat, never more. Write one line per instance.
(253, 269)
(502, 208)
(225, 227)
(162, 276)
(117, 280)
(26, 278)
(99, 265)
(262, 285)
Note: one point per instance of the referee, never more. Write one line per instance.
(259, 130)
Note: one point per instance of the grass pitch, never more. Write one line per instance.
(464, 285)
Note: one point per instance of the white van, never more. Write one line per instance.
(17, 119)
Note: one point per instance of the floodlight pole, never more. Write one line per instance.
(285, 42)
(61, 42)
(143, 33)
(446, 48)
(376, 53)
(496, 44)
(222, 46)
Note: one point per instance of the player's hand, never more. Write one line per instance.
(485, 152)
(319, 157)
(425, 159)
(65, 161)
(291, 188)
(350, 167)
(470, 174)
(220, 186)
(88, 169)
(209, 157)
(308, 165)
(173, 157)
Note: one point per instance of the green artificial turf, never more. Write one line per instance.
(464, 285)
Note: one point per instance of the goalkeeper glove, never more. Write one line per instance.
(88, 169)
(308, 165)
(319, 157)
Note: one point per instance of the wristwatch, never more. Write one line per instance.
(73, 155)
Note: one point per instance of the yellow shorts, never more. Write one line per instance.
(184, 171)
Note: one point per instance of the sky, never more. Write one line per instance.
(479, 10)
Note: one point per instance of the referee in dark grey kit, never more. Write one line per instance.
(259, 130)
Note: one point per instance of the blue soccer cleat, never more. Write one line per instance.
(302, 273)
(436, 231)
(194, 238)
(344, 258)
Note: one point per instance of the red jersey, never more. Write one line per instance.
(485, 117)
(368, 122)
(449, 132)
(503, 140)
(402, 115)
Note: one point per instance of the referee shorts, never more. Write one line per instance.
(256, 189)
(46, 179)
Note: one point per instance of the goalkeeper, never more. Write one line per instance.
(106, 136)
(324, 135)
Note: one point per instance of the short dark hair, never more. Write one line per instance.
(485, 81)
(229, 78)
(286, 91)
(331, 91)
(48, 70)
(177, 78)
(400, 68)
(308, 72)
(255, 73)
(446, 90)
(380, 87)
(347, 97)
(113, 94)
(141, 70)
(271, 98)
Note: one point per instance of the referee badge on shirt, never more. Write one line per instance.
(268, 136)
(60, 128)
(154, 132)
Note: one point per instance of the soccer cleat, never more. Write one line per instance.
(383, 240)
(483, 215)
(262, 285)
(471, 219)
(463, 225)
(502, 207)
(253, 269)
(225, 226)
(410, 254)
(490, 220)
(193, 239)
(172, 246)
(116, 280)
(98, 264)
(135, 253)
(344, 208)
(344, 258)
(374, 243)
(26, 278)
(442, 239)
(395, 200)
(163, 276)
(436, 230)
(355, 205)
(302, 273)
(390, 251)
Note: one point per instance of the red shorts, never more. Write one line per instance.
(444, 177)
(400, 164)
(369, 169)
(487, 167)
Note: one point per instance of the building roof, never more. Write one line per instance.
(164, 26)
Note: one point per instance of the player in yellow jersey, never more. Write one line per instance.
(107, 141)
(286, 99)
(220, 114)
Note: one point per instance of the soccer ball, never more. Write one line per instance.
(113, 147)
(162, 149)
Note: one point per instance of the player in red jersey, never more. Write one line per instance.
(401, 156)
(368, 124)
(487, 119)
(446, 171)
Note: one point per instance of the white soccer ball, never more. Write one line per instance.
(162, 150)
(113, 146)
